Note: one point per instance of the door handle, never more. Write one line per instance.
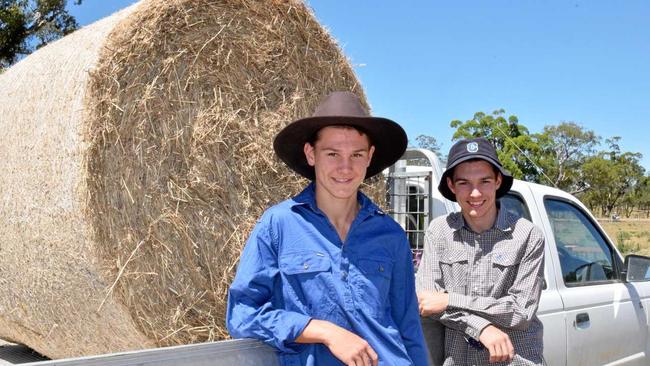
(582, 321)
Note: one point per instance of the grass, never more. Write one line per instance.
(630, 236)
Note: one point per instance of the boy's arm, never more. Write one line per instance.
(250, 310)
(430, 283)
(344, 345)
(512, 311)
(517, 308)
(251, 313)
(404, 305)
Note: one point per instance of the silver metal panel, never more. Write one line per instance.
(240, 352)
(14, 354)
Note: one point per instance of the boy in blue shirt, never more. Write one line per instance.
(327, 277)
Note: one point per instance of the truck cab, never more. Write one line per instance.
(594, 302)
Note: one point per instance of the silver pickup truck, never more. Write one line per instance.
(593, 306)
(594, 302)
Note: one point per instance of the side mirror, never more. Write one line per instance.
(636, 268)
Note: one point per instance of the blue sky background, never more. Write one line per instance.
(426, 63)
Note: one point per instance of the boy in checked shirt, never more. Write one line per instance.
(482, 269)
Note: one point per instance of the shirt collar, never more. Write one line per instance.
(308, 198)
(503, 222)
(504, 219)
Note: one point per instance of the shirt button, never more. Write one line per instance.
(344, 275)
(305, 266)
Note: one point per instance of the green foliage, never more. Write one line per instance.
(26, 25)
(564, 149)
(641, 196)
(514, 145)
(428, 142)
(610, 175)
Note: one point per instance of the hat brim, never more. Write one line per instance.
(388, 138)
(506, 177)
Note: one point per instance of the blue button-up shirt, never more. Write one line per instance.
(295, 268)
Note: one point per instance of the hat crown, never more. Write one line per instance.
(478, 147)
(340, 104)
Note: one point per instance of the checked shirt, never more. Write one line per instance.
(493, 278)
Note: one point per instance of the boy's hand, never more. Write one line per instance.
(351, 349)
(498, 343)
(431, 302)
(348, 347)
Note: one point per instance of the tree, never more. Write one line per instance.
(564, 149)
(429, 143)
(610, 175)
(513, 143)
(26, 25)
(642, 195)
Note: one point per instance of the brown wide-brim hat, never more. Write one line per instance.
(341, 109)
(471, 149)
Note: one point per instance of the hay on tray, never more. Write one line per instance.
(139, 165)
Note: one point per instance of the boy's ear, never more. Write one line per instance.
(370, 152)
(450, 185)
(309, 154)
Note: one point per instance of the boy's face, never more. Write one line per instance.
(340, 157)
(475, 184)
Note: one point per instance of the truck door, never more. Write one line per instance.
(520, 201)
(605, 322)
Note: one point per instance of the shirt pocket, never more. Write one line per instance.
(503, 272)
(453, 266)
(308, 282)
(374, 283)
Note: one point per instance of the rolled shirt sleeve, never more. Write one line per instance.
(468, 323)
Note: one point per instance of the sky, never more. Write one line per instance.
(425, 63)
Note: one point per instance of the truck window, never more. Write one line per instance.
(585, 256)
(515, 205)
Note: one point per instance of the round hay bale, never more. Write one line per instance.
(137, 156)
